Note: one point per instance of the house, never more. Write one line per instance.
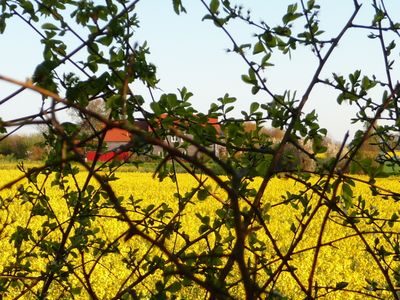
(114, 139)
(191, 149)
(117, 137)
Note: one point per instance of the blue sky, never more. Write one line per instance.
(190, 52)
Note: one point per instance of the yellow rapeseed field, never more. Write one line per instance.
(342, 258)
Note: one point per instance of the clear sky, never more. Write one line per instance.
(190, 52)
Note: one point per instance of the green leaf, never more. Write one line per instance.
(341, 285)
(175, 287)
(258, 48)
(262, 167)
(289, 17)
(254, 107)
(355, 76)
(155, 106)
(2, 128)
(293, 228)
(230, 108)
(76, 290)
(227, 99)
(3, 18)
(379, 16)
(105, 40)
(202, 194)
(49, 26)
(214, 5)
(246, 79)
(27, 6)
(255, 89)
(347, 190)
(178, 7)
(292, 8)
(269, 39)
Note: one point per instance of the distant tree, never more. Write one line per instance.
(368, 154)
(36, 148)
(292, 159)
(331, 145)
(23, 146)
(90, 124)
(14, 145)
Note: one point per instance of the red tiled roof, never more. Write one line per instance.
(211, 121)
(117, 135)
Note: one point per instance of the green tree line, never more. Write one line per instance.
(23, 147)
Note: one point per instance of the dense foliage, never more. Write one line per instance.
(236, 253)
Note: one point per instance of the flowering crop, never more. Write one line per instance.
(100, 258)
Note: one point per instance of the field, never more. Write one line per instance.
(344, 265)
